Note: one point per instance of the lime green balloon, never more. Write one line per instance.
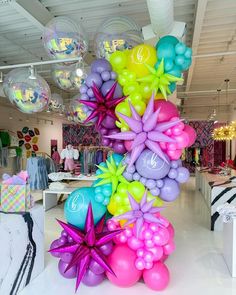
(135, 97)
(139, 106)
(131, 88)
(122, 80)
(136, 189)
(145, 90)
(118, 60)
(123, 108)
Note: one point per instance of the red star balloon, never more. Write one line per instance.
(104, 105)
(86, 245)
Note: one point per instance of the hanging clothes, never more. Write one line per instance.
(5, 138)
(38, 175)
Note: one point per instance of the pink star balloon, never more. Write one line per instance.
(86, 245)
(145, 132)
(103, 106)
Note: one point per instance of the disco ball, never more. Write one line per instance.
(30, 94)
(116, 33)
(69, 77)
(64, 38)
(79, 111)
(56, 101)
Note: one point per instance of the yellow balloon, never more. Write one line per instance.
(139, 56)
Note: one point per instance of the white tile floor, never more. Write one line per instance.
(197, 267)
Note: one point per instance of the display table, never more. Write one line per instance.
(216, 190)
(50, 197)
(229, 248)
(22, 249)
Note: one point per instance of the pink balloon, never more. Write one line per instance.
(182, 140)
(191, 134)
(122, 261)
(174, 155)
(158, 277)
(140, 263)
(128, 145)
(157, 252)
(164, 258)
(169, 248)
(135, 243)
(171, 231)
(161, 237)
(168, 110)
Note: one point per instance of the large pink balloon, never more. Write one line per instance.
(157, 278)
(191, 134)
(122, 261)
(168, 110)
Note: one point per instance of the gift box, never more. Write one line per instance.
(15, 198)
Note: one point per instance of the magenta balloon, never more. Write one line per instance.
(66, 257)
(170, 190)
(119, 147)
(96, 268)
(191, 134)
(100, 65)
(168, 110)
(54, 245)
(109, 123)
(70, 274)
(91, 279)
(94, 78)
(157, 278)
(150, 165)
(105, 141)
(107, 86)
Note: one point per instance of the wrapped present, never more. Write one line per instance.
(15, 198)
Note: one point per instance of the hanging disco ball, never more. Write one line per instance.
(29, 92)
(69, 77)
(116, 33)
(64, 38)
(56, 101)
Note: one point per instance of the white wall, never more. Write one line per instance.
(47, 131)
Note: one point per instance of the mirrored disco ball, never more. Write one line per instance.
(80, 111)
(64, 38)
(69, 77)
(29, 95)
(116, 33)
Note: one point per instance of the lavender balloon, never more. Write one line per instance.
(150, 165)
(94, 78)
(54, 245)
(183, 175)
(170, 190)
(70, 274)
(107, 86)
(96, 268)
(100, 65)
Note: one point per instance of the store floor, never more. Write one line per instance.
(196, 267)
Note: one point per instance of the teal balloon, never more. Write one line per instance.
(176, 71)
(167, 39)
(172, 87)
(166, 50)
(116, 157)
(187, 63)
(76, 207)
(168, 64)
(179, 60)
(180, 48)
(188, 53)
(157, 64)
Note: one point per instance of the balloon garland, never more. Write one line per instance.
(125, 98)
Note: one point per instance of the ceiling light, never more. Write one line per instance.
(79, 72)
(32, 73)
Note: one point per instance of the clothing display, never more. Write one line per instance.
(56, 157)
(5, 138)
(69, 154)
(38, 174)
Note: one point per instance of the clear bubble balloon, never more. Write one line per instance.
(56, 101)
(29, 93)
(116, 33)
(69, 77)
(64, 38)
(79, 111)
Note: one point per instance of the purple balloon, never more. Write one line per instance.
(136, 176)
(66, 257)
(96, 268)
(70, 274)
(150, 165)
(106, 76)
(170, 190)
(107, 86)
(91, 279)
(155, 191)
(180, 163)
(90, 92)
(62, 241)
(174, 164)
(83, 88)
(150, 184)
(113, 131)
(53, 246)
(128, 176)
(143, 180)
(109, 123)
(160, 183)
(70, 239)
(103, 131)
(100, 65)
(172, 173)
(182, 175)
(107, 248)
(131, 169)
(105, 141)
(94, 78)
(64, 234)
(119, 147)
(113, 75)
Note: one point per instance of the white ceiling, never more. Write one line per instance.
(211, 32)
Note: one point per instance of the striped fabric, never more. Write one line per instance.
(15, 198)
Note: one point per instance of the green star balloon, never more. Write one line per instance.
(159, 80)
(111, 174)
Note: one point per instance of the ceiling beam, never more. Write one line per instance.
(34, 11)
(200, 14)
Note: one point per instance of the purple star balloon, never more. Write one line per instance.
(143, 211)
(103, 106)
(86, 245)
(145, 132)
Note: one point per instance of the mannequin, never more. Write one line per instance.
(69, 154)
